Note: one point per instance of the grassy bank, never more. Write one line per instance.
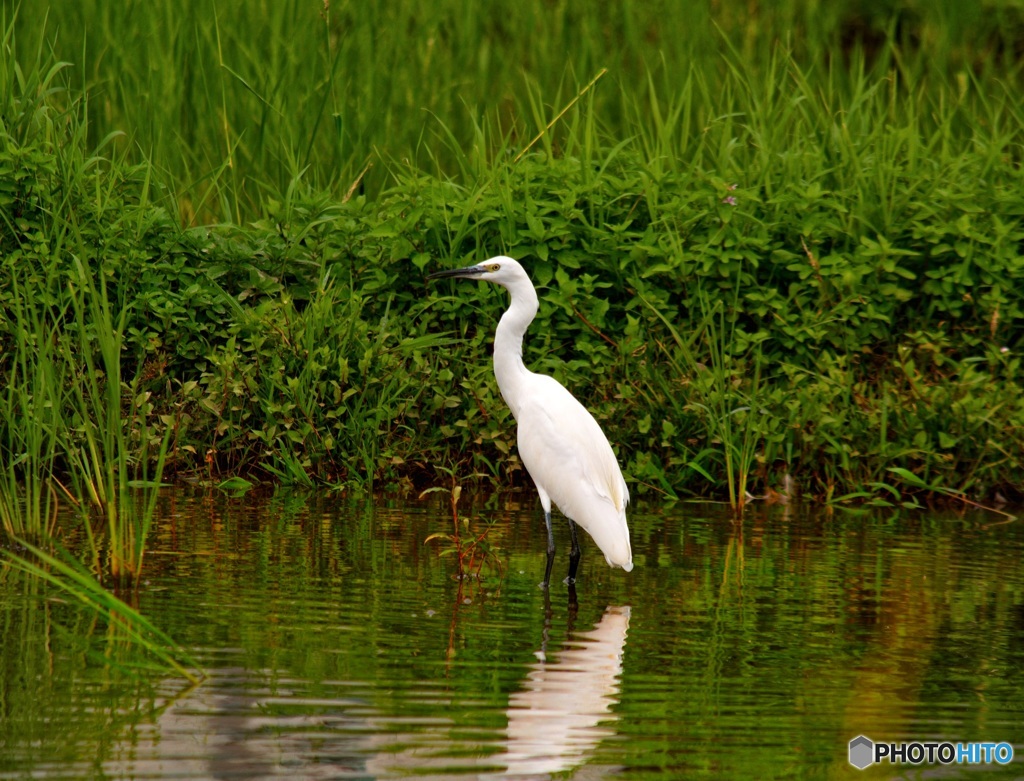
(763, 257)
(232, 100)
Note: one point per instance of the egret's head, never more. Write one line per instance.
(500, 270)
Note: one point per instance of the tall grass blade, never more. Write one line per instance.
(68, 575)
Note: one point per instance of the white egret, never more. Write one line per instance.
(560, 443)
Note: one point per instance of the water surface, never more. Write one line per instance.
(339, 645)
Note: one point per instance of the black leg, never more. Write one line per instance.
(574, 553)
(551, 549)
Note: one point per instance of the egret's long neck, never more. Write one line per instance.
(509, 369)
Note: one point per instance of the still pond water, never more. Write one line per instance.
(338, 645)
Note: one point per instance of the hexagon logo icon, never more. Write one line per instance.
(862, 752)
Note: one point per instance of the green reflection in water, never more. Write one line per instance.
(340, 646)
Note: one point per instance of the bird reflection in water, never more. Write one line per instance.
(261, 724)
(565, 706)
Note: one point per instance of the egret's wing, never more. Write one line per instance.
(565, 450)
(569, 458)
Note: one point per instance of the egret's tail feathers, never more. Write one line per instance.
(603, 521)
(625, 564)
(617, 551)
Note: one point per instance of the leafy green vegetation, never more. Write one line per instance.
(774, 251)
(468, 546)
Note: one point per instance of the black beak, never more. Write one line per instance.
(460, 273)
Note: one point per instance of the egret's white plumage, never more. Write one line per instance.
(560, 443)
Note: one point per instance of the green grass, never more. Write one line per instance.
(705, 380)
(71, 429)
(30, 421)
(771, 244)
(233, 99)
(111, 453)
